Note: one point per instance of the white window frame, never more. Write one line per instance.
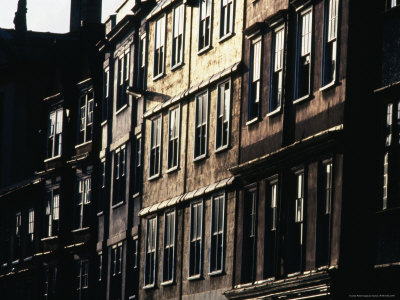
(178, 30)
(84, 197)
(385, 181)
(54, 133)
(299, 202)
(328, 186)
(205, 18)
(53, 211)
(219, 233)
(277, 70)
(203, 127)
(226, 19)
(153, 251)
(154, 145)
(31, 224)
(174, 120)
(254, 102)
(159, 47)
(223, 118)
(274, 197)
(169, 247)
(86, 117)
(194, 239)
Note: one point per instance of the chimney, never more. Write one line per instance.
(20, 17)
(84, 11)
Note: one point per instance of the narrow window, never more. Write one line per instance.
(274, 205)
(169, 247)
(385, 180)
(83, 200)
(328, 187)
(86, 117)
(100, 265)
(114, 259)
(138, 165)
(54, 141)
(150, 262)
(142, 63)
(223, 115)
(226, 24)
(120, 81)
(217, 234)
(196, 237)
(255, 80)
(119, 258)
(277, 69)
(102, 191)
(249, 235)
(389, 118)
(52, 214)
(200, 142)
(155, 151)
(299, 204)
(330, 47)
(119, 186)
(304, 55)
(106, 92)
(159, 51)
(177, 41)
(173, 138)
(18, 225)
(135, 253)
(205, 24)
(82, 279)
(31, 224)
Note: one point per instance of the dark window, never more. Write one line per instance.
(205, 24)
(119, 186)
(82, 279)
(255, 80)
(159, 48)
(54, 140)
(150, 262)
(155, 150)
(200, 139)
(173, 138)
(136, 249)
(138, 164)
(52, 213)
(50, 282)
(330, 38)
(169, 247)
(177, 40)
(249, 235)
(196, 239)
(123, 78)
(83, 202)
(277, 69)
(142, 63)
(223, 115)
(116, 260)
(303, 73)
(100, 266)
(106, 93)
(217, 234)
(86, 117)
(103, 182)
(226, 23)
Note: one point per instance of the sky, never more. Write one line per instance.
(47, 15)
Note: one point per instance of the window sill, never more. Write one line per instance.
(100, 213)
(137, 194)
(167, 283)
(293, 274)
(226, 37)
(328, 86)
(274, 112)
(103, 123)
(154, 177)
(216, 273)
(80, 229)
(204, 50)
(172, 170)
(122, 108)
(222, 149)
(162, 74)
(29, 258)
(177, 66)
(83, 144)
(252, 121)
(150, 286)
(200, 158)
(15, 262)
(49, 238)
(302, 99)
(194, 277)
(52, 158)
(116, 205)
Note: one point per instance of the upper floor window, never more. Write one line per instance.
(217, 234)
(223, 115)
(393, 3)
(123, 78)
(116, 260)
(54, 140)
(385, 180)
(169, 247)
(150, 262)
(226, 24)
(173, 137)
(86, 118)
(205, 24)
(273, 194)
(83, 201)
(276, 93)
(135, 259)
(249, 234)
(303, 71)
(138, 165)
(119, 184)
(106, 93)
(31, 224)
(18, 224)
(82, 279)
(196, 239)
(142, 63)
(155, 149)
(255, 80)
(200, 139)
(330, 46)
(159, 47)
(177, 40)
(52, 213)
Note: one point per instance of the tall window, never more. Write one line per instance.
(123, 78)
(86, 117)
(196, 239)
(173, 137)
(223, 115)
(249, 235)
(277, 69)
(389, 122)
(205, 24)
(159, 47)
(116, 260)
(299, 201)
(255, 80)
(169, 247)
(177, 41)
(155, 151)
(303, 72)
(82, 279)
(217, 234)
(100, 266)
(150, 263)
(273, 205)
(106, 93)
(330, 47)
(142, 63)
(18, 224)
(102, 190)
(31, 224)
(50, 282)
(200, 139)
(119, 186)
(226, 24)
(52, 213)
(138, 164)
(83, 201)
(385, 180)
(54, 140)
(136, 250)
